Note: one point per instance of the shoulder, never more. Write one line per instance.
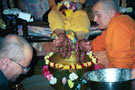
(122, 19)
(3, 82)
(121, 24)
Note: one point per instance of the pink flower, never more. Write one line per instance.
(49, 76)
(46, 74)
(96, 67)
(73, 8)
(64, 80)
(45, 71)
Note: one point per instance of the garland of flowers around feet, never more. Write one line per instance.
(70, 80)
(93, 60)
(72, 45)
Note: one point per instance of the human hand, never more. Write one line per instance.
(60, 41)
(102, 59)
(49, 47)
(59, 31)
(85, 46)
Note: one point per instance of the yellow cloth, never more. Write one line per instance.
(78, 21)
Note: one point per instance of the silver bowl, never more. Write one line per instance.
(109, 75)
(110, 79)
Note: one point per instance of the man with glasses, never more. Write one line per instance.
(15, 57)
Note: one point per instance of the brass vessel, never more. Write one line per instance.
(56, 58)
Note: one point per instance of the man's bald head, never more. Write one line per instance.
(109, 5)
(13, 47)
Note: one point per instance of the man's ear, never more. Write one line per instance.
(4, 64)
(112, 12)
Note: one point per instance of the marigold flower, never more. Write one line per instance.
(68, 12)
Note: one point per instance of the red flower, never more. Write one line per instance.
(45, 71)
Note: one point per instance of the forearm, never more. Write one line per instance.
(120, 59)
(52, 3)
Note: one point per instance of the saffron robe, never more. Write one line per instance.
(118, 41)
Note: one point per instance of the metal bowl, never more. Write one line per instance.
(110, 79)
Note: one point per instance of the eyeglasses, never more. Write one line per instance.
(26, 69)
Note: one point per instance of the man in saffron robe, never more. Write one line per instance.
(118, 40)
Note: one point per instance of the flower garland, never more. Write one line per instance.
(69, 79)
(71, 66)
(72, 43)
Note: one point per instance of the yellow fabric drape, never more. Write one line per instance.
(78, 21)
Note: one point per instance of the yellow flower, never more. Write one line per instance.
(89, 54)
(57, 65)
(94, 60)
(59, 5)
(68, 12)
(71, 35)
(85, 64)
(70, 83)
(73, 66)
(51, 64)
(47, 56)
(89, 63)
(78, 66)
(47, 62)
(60, 65)
(50, 54)
(66, 67)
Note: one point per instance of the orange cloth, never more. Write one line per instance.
(98, 44)
(120, 42)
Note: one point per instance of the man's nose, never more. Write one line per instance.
(95, 19)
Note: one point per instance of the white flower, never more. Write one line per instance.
(67, 4)
(53, 80)
(73, 76)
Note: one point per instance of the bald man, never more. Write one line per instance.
(118, 40)
(15, 57)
